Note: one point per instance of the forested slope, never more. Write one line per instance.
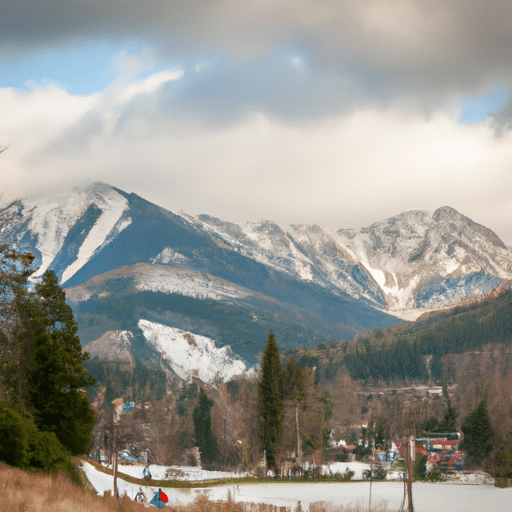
(416, 350)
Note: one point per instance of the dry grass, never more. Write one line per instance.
(29, 492)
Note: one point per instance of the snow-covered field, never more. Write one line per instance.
(190, 473)
(439, 497)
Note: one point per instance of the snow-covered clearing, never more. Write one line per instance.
(439, 497)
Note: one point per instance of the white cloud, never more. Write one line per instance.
(149, 85)
(342, 171)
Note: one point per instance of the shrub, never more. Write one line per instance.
(420, 466)
(380, 473)
(46, 453)
(348, 475)
(435, 475)
(502, 482)
(14, 437)
(23, 446)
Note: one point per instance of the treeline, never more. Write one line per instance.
(413, 351)
(45, 415)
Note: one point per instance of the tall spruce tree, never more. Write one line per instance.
(55, 376)
(205, 440)
(450, 417)
(270, 402)
(15, 300)
(478, 434)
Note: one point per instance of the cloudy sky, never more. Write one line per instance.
(330, 112)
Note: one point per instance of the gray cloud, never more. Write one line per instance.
(409, 51)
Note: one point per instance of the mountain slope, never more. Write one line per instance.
(124, 260)
(205, 305)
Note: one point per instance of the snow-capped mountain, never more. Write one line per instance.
(124, 261)
(424, 260)
(306, 253)
(414, 261)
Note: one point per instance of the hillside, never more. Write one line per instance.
(456, 344)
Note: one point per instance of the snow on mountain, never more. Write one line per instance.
(416, 255)
(413, 261)
(53, 217)
(190, 355)
(416, 260)
(165, 279)
(306, 253)
(160, 278)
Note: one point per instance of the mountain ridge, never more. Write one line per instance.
(204, 275)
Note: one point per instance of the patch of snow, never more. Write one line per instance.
(398, 298)
(192, 355)
(340, 467)
(168, 255)
(377, 274)
(104, 483)
(192, 284)
(97, 236)
(409, 315)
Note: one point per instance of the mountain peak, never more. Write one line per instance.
(85, 217)
(457, 221)
(445, 212)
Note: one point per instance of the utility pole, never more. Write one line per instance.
(114, 453)
(371, 479)
(299, 450)
(118, 404)
(411, 446)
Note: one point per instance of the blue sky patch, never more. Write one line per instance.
(475, 109)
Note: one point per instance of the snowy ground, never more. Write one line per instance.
(439, 497)
(189, 473)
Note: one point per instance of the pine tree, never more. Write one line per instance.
(205, 440)
(15, 297)
(450, 417)
(55, 376)
(478, 434)
(270, 402)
